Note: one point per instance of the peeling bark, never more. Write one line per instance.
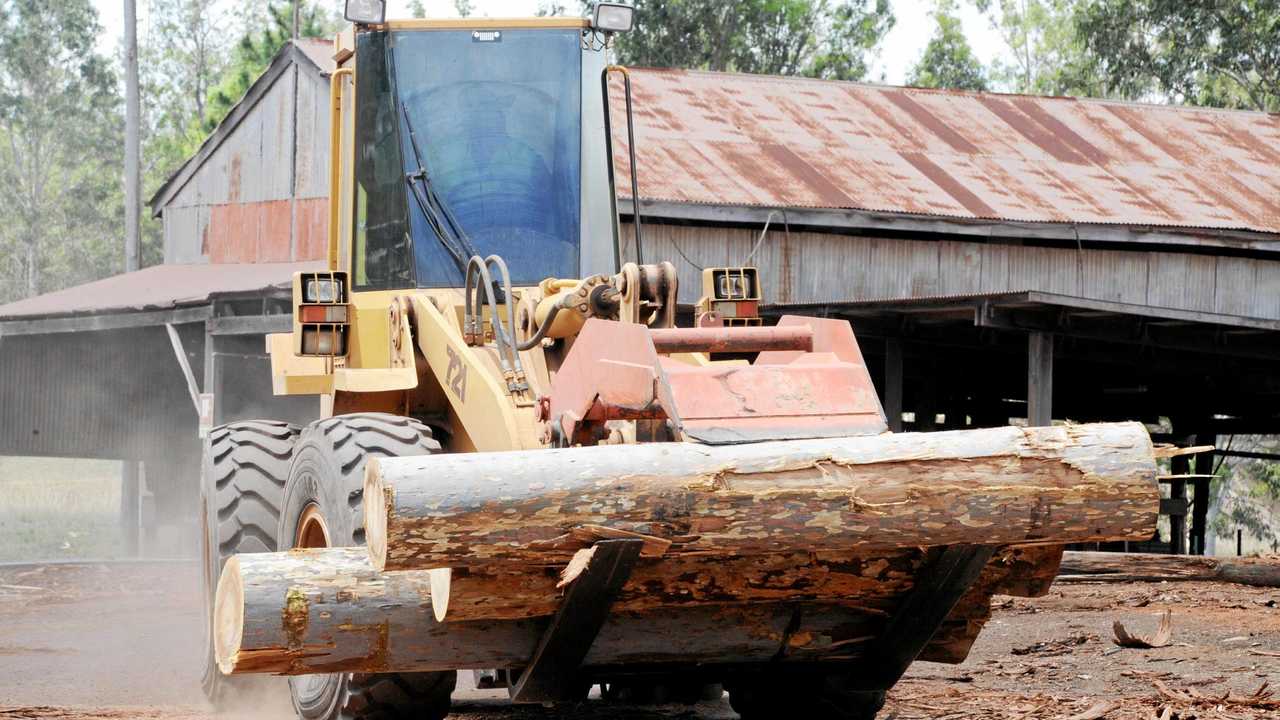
(309, 611)
(849, 495)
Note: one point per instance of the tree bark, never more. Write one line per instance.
(849, 495)
(1141, 567)
(874, 582)
(313, 611)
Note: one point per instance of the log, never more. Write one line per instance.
(1143, 567)
(858, 494)
(872, 582)
(328, 610)
(317, 611)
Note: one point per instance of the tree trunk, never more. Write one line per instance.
(874, 582)
(1138, 567)
(305, 612)
(848, 495)
(313, 611)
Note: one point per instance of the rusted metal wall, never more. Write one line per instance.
(821, 267)
(261, 196)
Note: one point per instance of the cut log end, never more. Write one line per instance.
(376, 506)
(228, 616)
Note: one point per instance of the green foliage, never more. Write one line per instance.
(254, 52)
(417, 9)
(60, 149)
(816, 38)
(1046, 56)
(948, 61)
(464, 8)
(1221, 53)
(1247, 492)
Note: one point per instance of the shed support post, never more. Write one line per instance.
(893, 368)
(1039, 379)
(213, 371)
(1178, 521)
(130, 505)
(1200, 503)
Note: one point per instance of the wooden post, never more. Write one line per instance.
(1178, 491)
(213, 371)
(1039, 379)
(130, 505)
(893, 367)
(1200, 504)
(132, 140)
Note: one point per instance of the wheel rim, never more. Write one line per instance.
(313, 532)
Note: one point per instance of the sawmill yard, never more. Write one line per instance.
(121, 640)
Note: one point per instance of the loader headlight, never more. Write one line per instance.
(323, 290)
(366, 12)
(614, 17)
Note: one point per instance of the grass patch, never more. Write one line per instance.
(54, 508)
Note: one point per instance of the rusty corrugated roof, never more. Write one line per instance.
(160, 287)
(747, 140)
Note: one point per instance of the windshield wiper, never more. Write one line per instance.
(441, 219)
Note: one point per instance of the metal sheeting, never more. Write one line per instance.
(729, 139)
(235, 200)
(116, 394)
(809, 267)
(157, 288)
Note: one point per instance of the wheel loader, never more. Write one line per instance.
(525, 467)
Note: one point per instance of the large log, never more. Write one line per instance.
(859, 494)
(305, 612)
(873, 582)
(312, 611)
(1139, 567)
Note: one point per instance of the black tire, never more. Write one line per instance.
(328, 475)
(826, 698)
(241, 490)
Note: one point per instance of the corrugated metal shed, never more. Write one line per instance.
(160, 287)
(745, 140)
(257, 189)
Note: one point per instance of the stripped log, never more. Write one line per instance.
(327, 610)
(1142, 567)
(858, 494)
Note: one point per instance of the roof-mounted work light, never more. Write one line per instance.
(366, 12)
(613, 17)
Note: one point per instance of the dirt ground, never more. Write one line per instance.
(122, 641)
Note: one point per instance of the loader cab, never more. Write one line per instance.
(472, 136)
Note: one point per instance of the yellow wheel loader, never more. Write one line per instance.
(523, 467)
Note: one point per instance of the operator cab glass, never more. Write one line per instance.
(466, 140)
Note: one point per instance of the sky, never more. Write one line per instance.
(898, 53)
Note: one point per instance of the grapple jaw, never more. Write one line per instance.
(807, 381)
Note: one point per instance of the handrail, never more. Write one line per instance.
(631, 148)
(335, 159)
